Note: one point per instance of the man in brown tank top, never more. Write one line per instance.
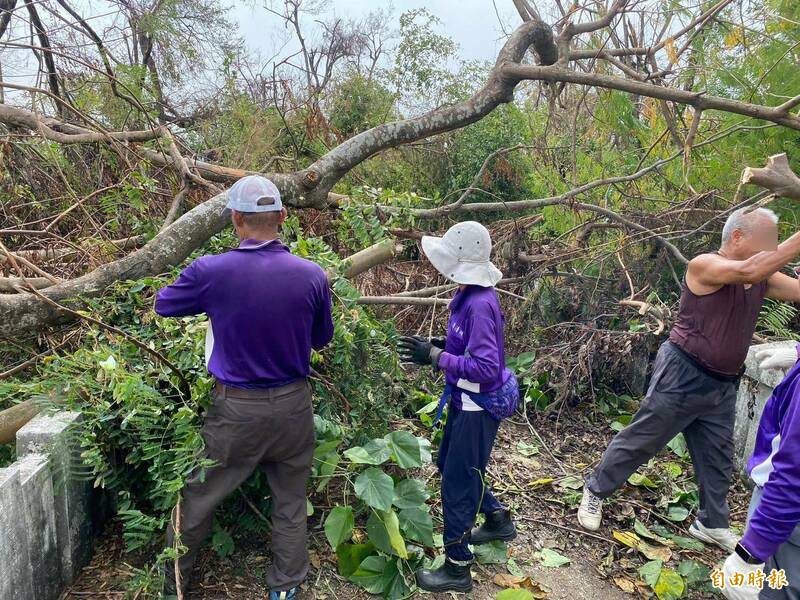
(696, 373)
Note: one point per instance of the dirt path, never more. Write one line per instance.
(544, 512)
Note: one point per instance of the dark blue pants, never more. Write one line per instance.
(463, 456)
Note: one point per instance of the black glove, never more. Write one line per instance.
(439, 342)
(419, 350)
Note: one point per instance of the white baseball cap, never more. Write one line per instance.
(462, 254)
(252, 194)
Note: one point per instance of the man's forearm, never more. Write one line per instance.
(764, 264)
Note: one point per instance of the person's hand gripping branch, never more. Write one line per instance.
(420, 350)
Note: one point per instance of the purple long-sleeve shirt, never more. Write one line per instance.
(475, 348)
(775, 467)
(268, 308)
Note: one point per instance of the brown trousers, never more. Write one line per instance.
(246, 429)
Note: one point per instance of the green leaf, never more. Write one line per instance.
(551, 558)
(369, 574)
(638, 479)
(309, 508)
(650, 571)
(678, 446)
(394, 584)
(378, 535)
(222, 542)
(375, 488)
(326, 448)
(326, 469)
(677, 513)
(339, 525)
(527, 449)
(670, 585)
(350, 556)
(493, 553)
(405, 449)
(417, 525)
(688, 543)
(392, 524)
(410, 493)
(570, 482)
(374, 452)
(512, 594)
(694, 572)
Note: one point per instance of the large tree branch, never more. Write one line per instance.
(699, 100)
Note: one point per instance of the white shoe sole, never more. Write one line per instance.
(704, 537)
(590, 526)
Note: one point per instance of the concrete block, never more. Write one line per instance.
(72, 495)
(16, 577)
(40, 522)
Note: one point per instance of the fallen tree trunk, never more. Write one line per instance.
(12, 419)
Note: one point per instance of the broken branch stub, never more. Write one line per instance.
(777, 177)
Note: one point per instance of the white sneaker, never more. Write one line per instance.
(722, 537)
(590, 512)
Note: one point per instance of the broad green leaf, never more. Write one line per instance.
(339, 525)
(694, 571)
(369, 574)
(405, 449)
(375, 488)
(326, 448)
(551, 558)
(527, 449)
(650, 571)
(309, 508)
(670, 585)
(392, 524)
(350, 556)
(493, 553)
(417, 525)
(394, 584)
(678, 446)
(374, 452)
(326, 468)
(688, 543)
(571, 482)
(410, 493)
(677, 513)
(638, 479)
(378, 535)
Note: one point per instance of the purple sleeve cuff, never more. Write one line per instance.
(758, 545)
(445, 361)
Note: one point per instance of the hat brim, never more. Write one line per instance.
(445, 260)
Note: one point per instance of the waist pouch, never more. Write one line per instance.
(500, 404)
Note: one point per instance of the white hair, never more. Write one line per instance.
(744, 221)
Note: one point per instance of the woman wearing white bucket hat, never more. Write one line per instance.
(480, 390)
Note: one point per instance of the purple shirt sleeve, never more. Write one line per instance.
(778, 512)
(322, 330)
(483, 363)
(184, 296)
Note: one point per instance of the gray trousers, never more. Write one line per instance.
(787, 558)
(681, 398)
(271, 429)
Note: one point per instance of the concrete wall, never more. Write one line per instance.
(754, 391)
(49, 516)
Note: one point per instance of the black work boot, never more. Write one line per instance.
(450, 577)
(497, 526)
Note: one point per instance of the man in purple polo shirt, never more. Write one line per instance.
(267, 309)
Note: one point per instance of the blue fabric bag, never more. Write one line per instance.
(500, 404)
